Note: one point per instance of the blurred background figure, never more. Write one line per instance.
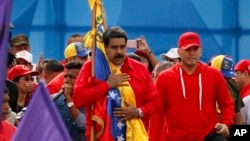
(76, 51)
(75, 38)
(147, 56)
(18, 43)
(225, 65)
(134, 56)
(24, 58)
(7, 113)
(242, 69)
(171, 56)
(7, 130)
(52, 73)
(161, 66)
(11, 86)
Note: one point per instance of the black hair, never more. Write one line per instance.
(75, 35)
(40, 66)
(150, 66)
(113, 32)
(6, 90)
(16, 79)
(134, 56)
(74, 64)
(53, 66)
(11, 60)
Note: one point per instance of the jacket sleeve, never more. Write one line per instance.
(150, 104)
(87, 89)
(156, 122)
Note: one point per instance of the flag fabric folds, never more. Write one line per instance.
(5, 9)
(41, 120)
(107, 127)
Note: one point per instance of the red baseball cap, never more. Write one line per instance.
(243, 65)
(20, 70)
(189, 39)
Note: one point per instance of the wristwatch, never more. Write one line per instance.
(70, 104)
(140, 114)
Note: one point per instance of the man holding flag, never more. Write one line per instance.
(121, 95)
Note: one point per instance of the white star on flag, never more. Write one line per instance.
(120, 124)
(120, 138)
(112, 94)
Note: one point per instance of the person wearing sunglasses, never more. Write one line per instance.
(21, 75)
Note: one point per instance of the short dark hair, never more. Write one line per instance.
(16, 79)
(75, 35)
(40, 66)
(6, 90)
(11, 60)
(74, 64)
(113, 32)
(53, 66)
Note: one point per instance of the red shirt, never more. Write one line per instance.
(189, 102)
(245, 91)
(7, 130)
(55, 85)
(88, 90)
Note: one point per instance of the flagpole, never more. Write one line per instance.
(94, 40)
(94, 43)
(92, 131)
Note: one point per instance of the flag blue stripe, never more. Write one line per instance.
(102, 70)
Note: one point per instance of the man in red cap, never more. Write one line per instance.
(189, 91)
(242, 69)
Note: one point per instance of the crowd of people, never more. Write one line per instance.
(136, 97)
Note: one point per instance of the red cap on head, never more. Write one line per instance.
(20, 70)
(189, 39)
(243, 65)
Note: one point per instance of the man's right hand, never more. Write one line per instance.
(116, 80)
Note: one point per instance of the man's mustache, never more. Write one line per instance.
(119, 56)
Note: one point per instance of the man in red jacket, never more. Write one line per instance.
(95, 95)
(189, 92)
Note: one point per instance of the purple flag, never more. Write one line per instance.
(41, 120)
(5, 9)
